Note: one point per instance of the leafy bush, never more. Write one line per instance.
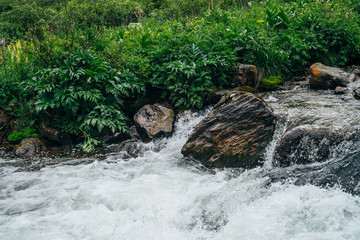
(21, 134)
(270, 83)
(188, 79)
(83, 95)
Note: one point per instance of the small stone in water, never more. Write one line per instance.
(340, 90)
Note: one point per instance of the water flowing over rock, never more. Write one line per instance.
(324, 77)
(234, 134)
(344, 173)
(306, 144)
(153, 121)
(31, 146)
(159, 195)
(131, 148)
(55, 135)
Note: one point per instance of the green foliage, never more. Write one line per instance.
(105, 12)
(18, 135)
(270, 83)
(181, 50)
(189, 77)
(83, 94)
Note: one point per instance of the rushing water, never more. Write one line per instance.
(160, 196)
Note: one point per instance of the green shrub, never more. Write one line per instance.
(18, 135)
(189, 78)
(270, 83)
(83, 95)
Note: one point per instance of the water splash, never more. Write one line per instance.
(157, 196)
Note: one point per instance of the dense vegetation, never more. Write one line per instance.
(78, 65)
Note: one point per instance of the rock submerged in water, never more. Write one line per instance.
(234, 134)
(343, 172)
(306, 144)
(324, 77)
(153, 121)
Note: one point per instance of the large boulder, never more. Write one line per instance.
(307, 144)
(31, 146)
(324, 77)
(55, 135)
(245, 75)
(153, 121)
(234, 134)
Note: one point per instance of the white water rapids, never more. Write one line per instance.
(159, 196)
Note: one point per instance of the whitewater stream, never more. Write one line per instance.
(161, 196)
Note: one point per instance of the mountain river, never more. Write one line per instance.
(162, 196)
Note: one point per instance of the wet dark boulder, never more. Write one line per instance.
(245, 75)
(109, 137)
(296, 83)
(31, 146)
(343, 172)
(55, 135)
(234, 134)
(307, 144)
(153, 121)
(324, 77)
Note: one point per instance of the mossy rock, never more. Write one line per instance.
(246, 89)
(18, 135)
(270, 83)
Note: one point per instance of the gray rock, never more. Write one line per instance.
(234, 134)
(340, 90)
(324, 77)
(134, 133)
(31, 146)
(154, 121)
(131, 148)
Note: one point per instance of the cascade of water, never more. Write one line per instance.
(159, 196)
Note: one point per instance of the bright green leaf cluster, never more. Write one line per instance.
(84, 94)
